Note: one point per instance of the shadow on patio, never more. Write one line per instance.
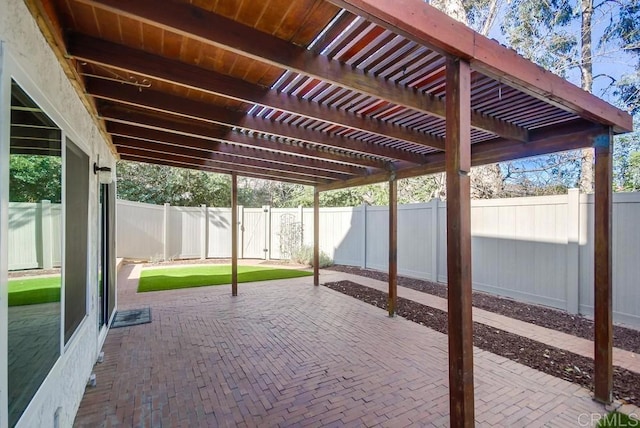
(287, 353)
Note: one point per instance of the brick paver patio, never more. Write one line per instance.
(285, 353)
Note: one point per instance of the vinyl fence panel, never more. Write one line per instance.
(186, 232)
(219, 232)
(139, 230)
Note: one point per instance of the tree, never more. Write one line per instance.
(487, 181)
(626, 161)
(35, 178)
(158, 184)
(545, 33)
(632, 174)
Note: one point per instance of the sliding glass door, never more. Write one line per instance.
(106, 265)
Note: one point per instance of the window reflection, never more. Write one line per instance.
(34, 241)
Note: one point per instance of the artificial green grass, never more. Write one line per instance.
(198, 276)
(616, 419)
(31, 291)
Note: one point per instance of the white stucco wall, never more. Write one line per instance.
(30, 61)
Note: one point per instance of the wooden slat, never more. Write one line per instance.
(554, 139)
(224, 149)
(169, 104)
(210, 28)
(316, 237)
(234, 234)
(197, 128)
(426, 25)
(126, 59)
(602, 296)
(392, 299)
(222, 158)
(458, 165)
(153, 155)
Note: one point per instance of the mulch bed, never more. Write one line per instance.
(548, 359)
(623, 338)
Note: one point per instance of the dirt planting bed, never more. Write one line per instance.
(623, 337)
(556, 362)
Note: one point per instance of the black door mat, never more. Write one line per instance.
(131, 317)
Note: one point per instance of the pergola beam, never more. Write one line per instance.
(128, 60)
(216, 30)
(225, 149)
(556, 139)
(153, 154)
(458, 166)
(223, 159)
(173, 105)
(427, 26)
(197, 128)
(603, 282)
(145, 158)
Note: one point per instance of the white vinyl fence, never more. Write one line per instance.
(536, 249)
(34, 235)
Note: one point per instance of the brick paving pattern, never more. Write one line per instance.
(285, 353)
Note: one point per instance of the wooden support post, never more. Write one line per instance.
(234, 234)
(458, 164)
(392, 300)
(602, 270)
(316, 237)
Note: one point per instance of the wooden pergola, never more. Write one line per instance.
(332, 94)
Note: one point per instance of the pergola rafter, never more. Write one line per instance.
(192, 160)
(221, 148)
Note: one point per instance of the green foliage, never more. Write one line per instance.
(626, 162)
(540, 31)
(304, 256)
(35, 178)
(624, 32)
(198, 276)
(632, 175)
(157, 184)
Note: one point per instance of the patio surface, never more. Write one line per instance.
(285, 353)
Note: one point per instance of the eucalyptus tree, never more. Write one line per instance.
(572, 38)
